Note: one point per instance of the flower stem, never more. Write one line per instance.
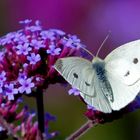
(40, 110)
(82, 130)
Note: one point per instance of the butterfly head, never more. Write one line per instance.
(96, 60)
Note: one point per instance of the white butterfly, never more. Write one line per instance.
(108, 84)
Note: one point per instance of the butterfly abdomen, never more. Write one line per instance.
(105, 86)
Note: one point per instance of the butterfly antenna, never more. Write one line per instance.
(103, 43)
(87, 51)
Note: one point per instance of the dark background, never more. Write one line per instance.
(90, 20)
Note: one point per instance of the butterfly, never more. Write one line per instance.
(107, 85)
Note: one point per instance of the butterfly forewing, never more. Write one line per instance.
(122, 66)
(80, 73)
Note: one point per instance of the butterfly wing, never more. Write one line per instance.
(81, 75)
(122, 67)
(99, 101)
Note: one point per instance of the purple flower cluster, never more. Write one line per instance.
(28, 56)
(28, 129)
(9, 116)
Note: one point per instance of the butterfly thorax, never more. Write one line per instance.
(99, 67)
(97, 59)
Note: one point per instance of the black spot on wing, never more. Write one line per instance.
(87, 84)
(135, 60)
(75, 75)
(128, 73)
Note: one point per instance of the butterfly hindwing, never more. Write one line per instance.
(100, 101)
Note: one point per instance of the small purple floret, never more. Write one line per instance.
(7, 39)
(34, 58)
(47, 35)
(90, 107)
(26, 21)
(73, 41)
(26, 85)
(10, 91)
(53, 50)
(74, 91)
(23, 49)
(37, 44)
(2, 76)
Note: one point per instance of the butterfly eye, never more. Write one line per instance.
(75, 75)
(135, 60)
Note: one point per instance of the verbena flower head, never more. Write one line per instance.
(10, 114)
(27, 129)
(28, 56)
